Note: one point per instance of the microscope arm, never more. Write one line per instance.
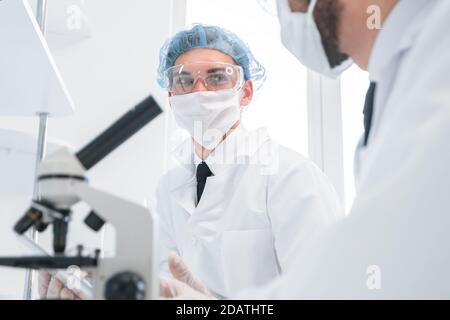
(135, 258)
(134, 224)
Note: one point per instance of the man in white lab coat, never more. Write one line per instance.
(395, 243)
(259, 198)
(236, 203)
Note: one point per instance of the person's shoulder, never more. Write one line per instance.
(287, 155)
(290, 155)
(269, 150)
(172, 177)
(284, 160)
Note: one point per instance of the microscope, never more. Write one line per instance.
(130, 274)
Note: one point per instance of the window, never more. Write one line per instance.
(281, 105)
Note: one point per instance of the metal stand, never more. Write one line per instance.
(41, 15)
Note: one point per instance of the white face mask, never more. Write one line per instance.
(300, 35)
(207, 115)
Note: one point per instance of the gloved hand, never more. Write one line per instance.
(52, 288)
(181, 272)
(185, 285)
(177, 290)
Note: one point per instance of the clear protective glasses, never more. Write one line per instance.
(183, 78)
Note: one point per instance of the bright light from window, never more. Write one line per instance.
(281, 104)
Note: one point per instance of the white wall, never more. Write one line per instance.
(106, 74)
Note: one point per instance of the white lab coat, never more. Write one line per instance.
(261, 201)
(395, 243)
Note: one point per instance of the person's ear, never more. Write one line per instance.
(247, 93)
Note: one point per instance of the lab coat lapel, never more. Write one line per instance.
(236, 151)
(205, 222)
(183, 190)
(389, 47)
(241, 144)
(184, 195)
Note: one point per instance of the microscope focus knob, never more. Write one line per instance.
(94, 221)
(125, 286)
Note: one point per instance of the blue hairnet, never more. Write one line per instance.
(211, 37)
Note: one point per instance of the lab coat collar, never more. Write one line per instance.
(398, 33)
(238, 146)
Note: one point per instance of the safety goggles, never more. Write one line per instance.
(183, 78)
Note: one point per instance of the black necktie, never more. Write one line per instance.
(368, 110)
(203, 173)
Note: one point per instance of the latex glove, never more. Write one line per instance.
(181, 272)
(185, 284)
(52, 288)
(177, 290)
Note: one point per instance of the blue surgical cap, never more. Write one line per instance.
(211, 37)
